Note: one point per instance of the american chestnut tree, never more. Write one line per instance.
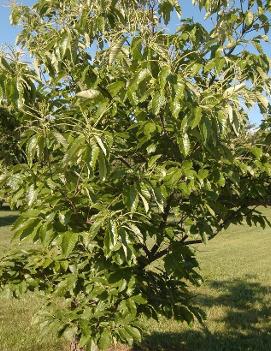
(136, 147)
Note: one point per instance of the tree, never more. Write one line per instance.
(137, 148)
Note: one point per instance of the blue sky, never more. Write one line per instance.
(8, 33)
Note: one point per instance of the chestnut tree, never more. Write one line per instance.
(136, 147)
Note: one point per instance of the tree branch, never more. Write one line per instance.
(227, 221)
(162, 227)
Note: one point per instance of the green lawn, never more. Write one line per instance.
(17, 332)
(236, 297)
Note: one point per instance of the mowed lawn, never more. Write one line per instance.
(236, 296)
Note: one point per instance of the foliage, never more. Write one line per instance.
(235, 294)
(136, 148)
(10, 118)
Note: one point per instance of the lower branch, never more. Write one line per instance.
(186, 242)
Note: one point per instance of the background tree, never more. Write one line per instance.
(136, 148)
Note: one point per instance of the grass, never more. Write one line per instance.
(17, 332)
(236, 297)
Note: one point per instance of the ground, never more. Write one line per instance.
(236, 296)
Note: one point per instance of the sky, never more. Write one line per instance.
(8, 33)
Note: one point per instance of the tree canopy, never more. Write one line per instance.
(136, 147)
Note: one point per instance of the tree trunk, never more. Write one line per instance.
(74, 346)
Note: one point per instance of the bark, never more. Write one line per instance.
(74, 346)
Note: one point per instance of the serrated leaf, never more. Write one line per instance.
(212, 212)
(84, 340)
(102, 167)
(145, 203)
(60, 138)
(69, 333)
(65, 45)
(101, 144)
(136, 48)
(142, 75)
(263, 100)
(257, 152)
(32, 148)
(204, 125)
(184, 144)
(31, 195)
(134, 332)
(149, 128)
(15, 15)
(157, 102)
(125, 336)
(25, 228)
(136, 231)
(153, 160)
(115, 87)
(89, 94)
(197, 117)
(249, 18)
(203, 173)
(68, 242)
(114, 233)
(177, 7)
(163, 75)
(105, 340)
(133, 198)
(233, 90)
(94, 156)
(115, 49)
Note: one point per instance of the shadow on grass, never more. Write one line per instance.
(7, 220)
(246, 322)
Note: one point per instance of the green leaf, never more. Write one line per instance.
(212, 212)
(115, 49)
(105, 340)
(31, 195)
(157, 102)
(163, 75)
(68, 242)
(184, 144)
(84, 340)
(60, 138)
(89, 94)
(173, 176)
(102, 167)
(111, 238)
(263, 100)
(203, 173)
(142, 75)
(115, 88)
(134, 332)
(165, 9)
(131, 198)
(145, 203)
(4, 64)
(125, 336)
(249, 18)
(204, 129)
(69, 333)
(26, 228)
(136, 231)
(149, 128)
(94, 156)
(31, 148)
(197, 117)
(233, 90)
(257, 152)
(136, 48)
(15, 15)
(101, 144)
